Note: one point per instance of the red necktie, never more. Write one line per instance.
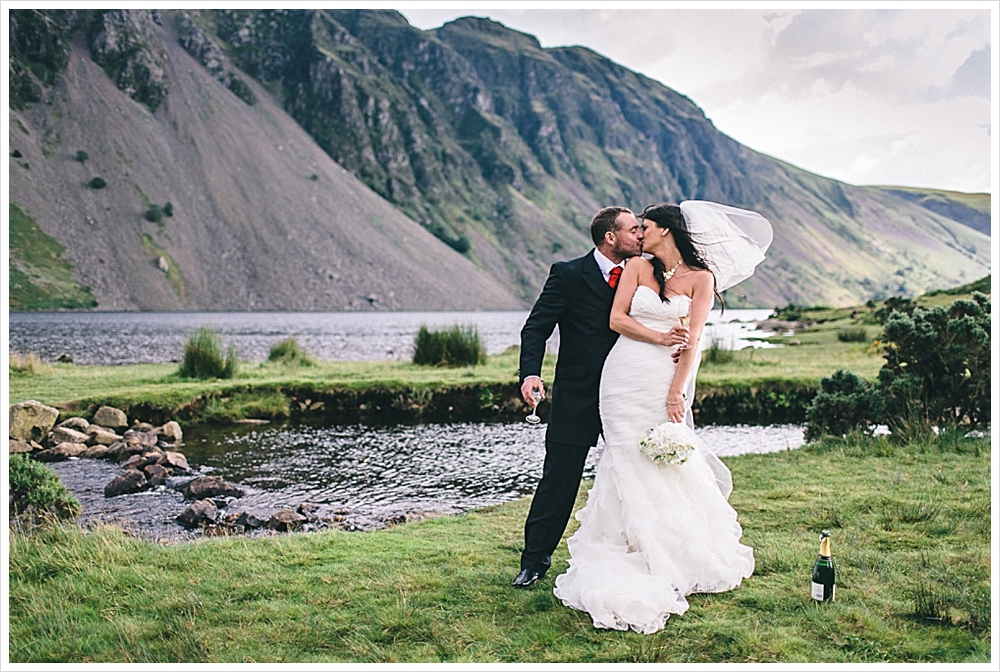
(616, 273)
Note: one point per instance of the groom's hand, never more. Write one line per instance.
(532, 383)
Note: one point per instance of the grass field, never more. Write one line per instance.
(911, 542)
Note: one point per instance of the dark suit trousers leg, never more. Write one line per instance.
(553, 503)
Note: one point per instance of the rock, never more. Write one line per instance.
(202, 511)
(18, 447)
(64, 358)
(249, 521)
(96, 452)
(106, 416)
(67, 435)
(286, 521)
(155, 474)
(133, 437)
(133, 462)
(206, 486)
(170, 431)
(130, 480)
(103, 437)
(61, 452)
(794, 341)
(163, 265)
(79, 424)
(142, 426)
(175, 460)
(31, 420)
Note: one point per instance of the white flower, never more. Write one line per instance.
(669, 443)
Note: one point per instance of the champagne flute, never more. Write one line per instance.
(533, 419)
(685, 321)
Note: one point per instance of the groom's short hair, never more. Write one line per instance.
(605, 220)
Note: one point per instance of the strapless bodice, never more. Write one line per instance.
(648, 310)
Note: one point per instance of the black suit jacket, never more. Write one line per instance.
(578, 299)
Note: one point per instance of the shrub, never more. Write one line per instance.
(16, 154)
(717, 353)
(456, 346)
(82, 156)
(894, 303)
(97, 183)
(937, 369)
(29, 364)
(36, 492)
(289, 351)
(844, 403)
(168, 209)
(203, 356)
(852, 335)
(154, 214)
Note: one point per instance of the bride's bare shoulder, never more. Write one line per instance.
(639, 265)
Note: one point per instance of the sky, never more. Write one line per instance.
(896, 96)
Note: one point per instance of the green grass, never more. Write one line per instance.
(39, 278)
(154, 251)
(911, 542)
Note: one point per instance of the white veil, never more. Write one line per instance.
(731, 241)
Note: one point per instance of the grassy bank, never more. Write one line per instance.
(911, 535)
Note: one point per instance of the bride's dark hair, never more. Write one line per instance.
(669, 216)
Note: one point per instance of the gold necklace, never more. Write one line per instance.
(669, 274)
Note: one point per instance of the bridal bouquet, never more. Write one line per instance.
(670, 443)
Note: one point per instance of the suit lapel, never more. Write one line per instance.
(593, 276)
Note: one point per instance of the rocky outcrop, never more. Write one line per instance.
(31, 420)
(198, 44)
(125, 42)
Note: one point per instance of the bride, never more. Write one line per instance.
(652, 533)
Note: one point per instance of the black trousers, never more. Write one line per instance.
(553, 503)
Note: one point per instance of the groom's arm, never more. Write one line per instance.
(541, 322)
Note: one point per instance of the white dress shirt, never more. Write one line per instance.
(606, 264)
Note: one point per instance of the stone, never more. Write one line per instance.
(170, 431)
(31, 420)
(96, 452)
(18, 447)
(175, 460)
(103, 437)
(249, 521)
(109, 417)
(155, 474)
(64, 358)
(202, 511)
(133, 462)
(79, 424)
(286, 521)
(130, 480)
(142, 426)
(61, 452)
(67, 435)
(133, 437)
(205, 487)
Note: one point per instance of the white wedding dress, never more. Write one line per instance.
(650, 533)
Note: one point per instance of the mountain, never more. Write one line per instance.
(973, 210)
(472, 132)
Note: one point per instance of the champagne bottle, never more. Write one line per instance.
(824, 581)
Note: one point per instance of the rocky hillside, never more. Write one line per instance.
(249, 121)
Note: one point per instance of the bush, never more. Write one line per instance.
(154, 214)
(717, 353)
(457, 346)
(97, 183)
(895, 303)
(168, 209)
(845, 402)
(36, 492)
(937, 369)
(852, 335)
(203, 356)
(289, 351)
(82, 156)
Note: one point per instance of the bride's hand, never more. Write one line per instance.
(676, 336)
(676, 406)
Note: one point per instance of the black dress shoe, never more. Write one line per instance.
(527, 578)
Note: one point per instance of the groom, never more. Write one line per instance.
(577, 296)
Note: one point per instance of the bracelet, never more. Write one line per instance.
(675, 402)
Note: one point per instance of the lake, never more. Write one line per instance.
(145, 338)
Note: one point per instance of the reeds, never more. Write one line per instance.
(203, 356)
(455, 346)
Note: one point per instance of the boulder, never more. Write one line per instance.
(130, 480)
(249, 521)
(96, 452)
(174, 460)
(31, 420)
(61, 452)
(134, 437)
(106, 416)
(18, 447)
(64, 358)
(67, 435)
(286, 521)
(79, 424)
(202, 511)
(103, 437)
(140, 461)
(142, 427)
(205, 487)
(171, 432)
(155, 474)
